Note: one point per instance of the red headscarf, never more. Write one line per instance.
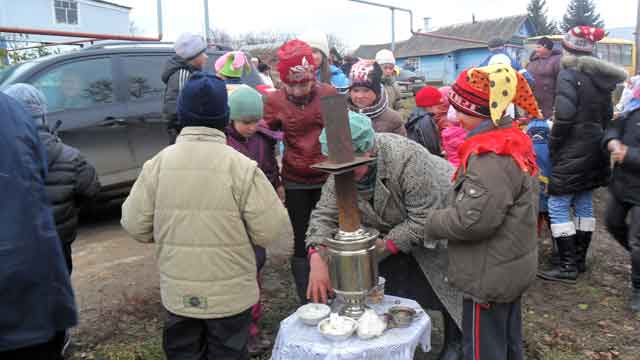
(296, 64)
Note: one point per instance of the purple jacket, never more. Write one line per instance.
(545, 72)
(260, 148)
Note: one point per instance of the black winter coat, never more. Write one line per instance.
(422, 129)
(583, 108)
(70, 181)
(625, 184)
(175, 75)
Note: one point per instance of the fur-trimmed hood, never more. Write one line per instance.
(603, 74)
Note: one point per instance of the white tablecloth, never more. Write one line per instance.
(296, 340)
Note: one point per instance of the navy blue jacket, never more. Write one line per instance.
(36, 299)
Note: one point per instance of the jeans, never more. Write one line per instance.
(560, 207)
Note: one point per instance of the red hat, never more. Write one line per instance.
(296, 64)
(582, 38)
(468, 99)
(428, 96)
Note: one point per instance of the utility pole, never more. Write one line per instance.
(393, 18)
(393, 29)
(637, 34)
(206, 21)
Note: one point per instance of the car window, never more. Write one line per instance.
(144, 76)
(77, 85)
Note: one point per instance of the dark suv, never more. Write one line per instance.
(108, 99)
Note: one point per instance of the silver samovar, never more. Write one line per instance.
(351, 254)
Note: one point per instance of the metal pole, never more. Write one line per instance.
(206, 20)
(637, 38)
(393, 29)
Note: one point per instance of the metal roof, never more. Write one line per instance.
(419, 45)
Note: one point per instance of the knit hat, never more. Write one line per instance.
(232, 64)
(189, 46)
(582, 38)
(362, 134)
(495, 43)
(385, 56)
(488, 91)
(545, 42)
(366, 73)
(428, 96)
(245, 104)
(33, 100)
(317, 40)
(203, 102)
(296, 64)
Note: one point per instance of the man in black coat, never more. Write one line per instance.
(70, 181)
(623, 141)
(190, 57)
(583, 108)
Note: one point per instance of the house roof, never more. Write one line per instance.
(419, 45)
(112, 4)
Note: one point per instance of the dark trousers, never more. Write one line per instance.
(627, 234)
(404, 278)
(186, 338)
(300, 204)
(492, 331)
(48, 351)
(66, 250)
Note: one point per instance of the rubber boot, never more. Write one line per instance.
(300, 269)
(555, 259)
(583, 240)
(452, 347)
(566, 272)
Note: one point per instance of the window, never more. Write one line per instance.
(66, 11)
(615, 54)
(77, 85)
(412, 64)
(144, 76)
(627, 55)
(602, 51)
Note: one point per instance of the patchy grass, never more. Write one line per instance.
(406, 106)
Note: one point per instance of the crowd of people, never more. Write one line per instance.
(460, 184)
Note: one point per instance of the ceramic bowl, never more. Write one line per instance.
(312, 313)
(323, 327)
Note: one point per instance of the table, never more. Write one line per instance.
(296, 340)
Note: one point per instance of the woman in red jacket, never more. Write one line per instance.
(295, 110)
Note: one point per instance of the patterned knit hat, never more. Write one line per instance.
(467, 99)
(232, 64)
(296, 64)
(366, 73)
(582, 38)
(488, 91)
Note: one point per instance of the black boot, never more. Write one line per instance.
(452, 347)
(555, 259)
(635, 281)
(566, 272)
(583, 239)
(300, 269)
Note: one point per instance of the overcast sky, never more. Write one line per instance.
(353, 22)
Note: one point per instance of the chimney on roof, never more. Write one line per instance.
(426, 24)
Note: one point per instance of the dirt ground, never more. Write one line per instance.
(121, 317)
